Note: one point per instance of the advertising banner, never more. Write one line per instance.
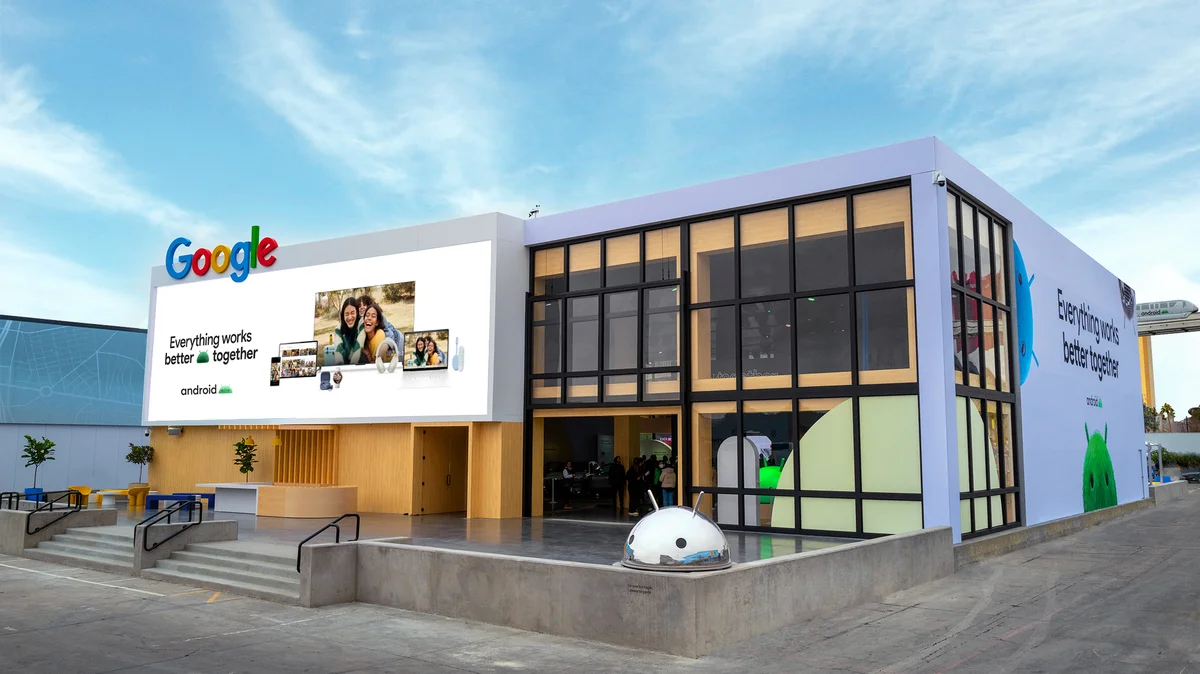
(387, 338)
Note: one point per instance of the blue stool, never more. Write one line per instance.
(211, 497)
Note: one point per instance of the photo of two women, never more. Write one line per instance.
(351, 325)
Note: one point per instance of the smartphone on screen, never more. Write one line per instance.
(275, 368)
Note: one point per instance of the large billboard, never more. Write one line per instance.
(1079, 376)
(386, 338)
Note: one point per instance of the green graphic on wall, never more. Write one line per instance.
(1099, 483)
(202, 357)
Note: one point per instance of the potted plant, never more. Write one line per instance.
(244, 453)
(140, 455)
(36, 453)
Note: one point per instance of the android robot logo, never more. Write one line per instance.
(1024, 315)
(1099, 482)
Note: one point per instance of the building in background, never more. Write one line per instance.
(78, 385)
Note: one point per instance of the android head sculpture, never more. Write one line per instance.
(676, 539)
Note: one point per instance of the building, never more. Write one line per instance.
(855, 346)
(77, 385)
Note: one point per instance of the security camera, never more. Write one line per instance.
(939, 179)
(147, 432)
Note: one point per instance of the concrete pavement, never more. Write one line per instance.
(1120, 597)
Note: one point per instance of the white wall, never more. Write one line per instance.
(83, 455)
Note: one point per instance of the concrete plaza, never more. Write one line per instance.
(1120, 597)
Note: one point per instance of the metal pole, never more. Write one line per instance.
(1160, 466)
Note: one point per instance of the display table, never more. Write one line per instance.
(284, 500)
(236, 497)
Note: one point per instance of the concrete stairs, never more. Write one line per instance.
(103, 548)
(250, 569)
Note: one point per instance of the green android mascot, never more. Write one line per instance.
(1099, 483)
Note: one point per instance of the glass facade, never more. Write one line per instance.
(792, 329)
(986, 403)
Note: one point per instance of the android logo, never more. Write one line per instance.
(1024, 315)
(202, 357)
(226, 389)
(1099, 483)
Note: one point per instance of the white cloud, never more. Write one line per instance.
(81, 294)
(430, 127)
(49, 158)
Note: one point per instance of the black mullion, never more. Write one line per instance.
(741, 485)
(737, 297)
(988, 492)
(958, 227)
(527, 417)
(641, 343)
(566, 331)
(984, 394)
(970, 466)
(796, 458)
(685, 369)
(626, 287)
(602, 324)
(858, 489)
(980, 297)
(793, 339)
(987, 458)
(854, 364)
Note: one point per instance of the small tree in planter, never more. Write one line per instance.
(244, 456)
(36, 453)
(140, 455)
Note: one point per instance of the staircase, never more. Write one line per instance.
(103, 548)
(253, 570)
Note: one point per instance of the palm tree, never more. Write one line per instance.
(1168, 413)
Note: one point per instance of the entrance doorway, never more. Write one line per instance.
(592, 443)
(441, 458)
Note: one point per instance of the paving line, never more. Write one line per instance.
(80, 580)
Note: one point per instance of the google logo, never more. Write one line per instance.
(244, 256)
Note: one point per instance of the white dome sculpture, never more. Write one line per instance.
(676, 539)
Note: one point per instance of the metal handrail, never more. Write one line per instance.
(12, 498)
(166, 513)
(74, 505)
(337, 534)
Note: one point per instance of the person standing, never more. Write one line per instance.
(616, 480)
(634, 478)
(568, 476)
(668, 484)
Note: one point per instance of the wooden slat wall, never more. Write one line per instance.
(307, 456)
(494, 462)
(205, 454)
(378, 459)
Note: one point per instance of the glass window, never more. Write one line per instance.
(979, 449)
(660, 386)
(985, 255)
(826, 431)
(1009, 462)
(823, 342)
(714, 458)
(993, 455)
(964, 466)
(582, 390)
(829, 514)
(623, 260)
(987, 346)
(548, 276)
(967, 215)
(973, 342)
(767, 424)
(711, 246)
(585, 266)
(583, 333)
(547, 337)
(767, 345)
(620, 388)
(714, 349)
(1002, 347)
(822, 250)
(999, 245)
(956, 312)
(891, 517)
(764, 251)
(620, 331)
(882, 236)
(964, 516)
(662, 254)
(886, 337)
(890, 444)
(547, 391)
(952, 222)
(661, 307)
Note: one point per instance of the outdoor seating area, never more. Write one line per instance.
(134, 497)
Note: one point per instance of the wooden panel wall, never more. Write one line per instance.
(378, 459)
(307, 456)
(537, 466)
(495, 466)
(205, 454)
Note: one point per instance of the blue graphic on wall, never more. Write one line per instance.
(1024, 315)
(69, 374)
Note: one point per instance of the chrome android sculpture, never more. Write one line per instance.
(676, 539)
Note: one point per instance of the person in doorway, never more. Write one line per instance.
(616, 480)
(568, 476)
(634, 478)
(668, 485)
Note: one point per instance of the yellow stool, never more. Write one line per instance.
(85, 494)
(137, 497)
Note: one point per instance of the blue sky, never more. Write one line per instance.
(123, 124)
